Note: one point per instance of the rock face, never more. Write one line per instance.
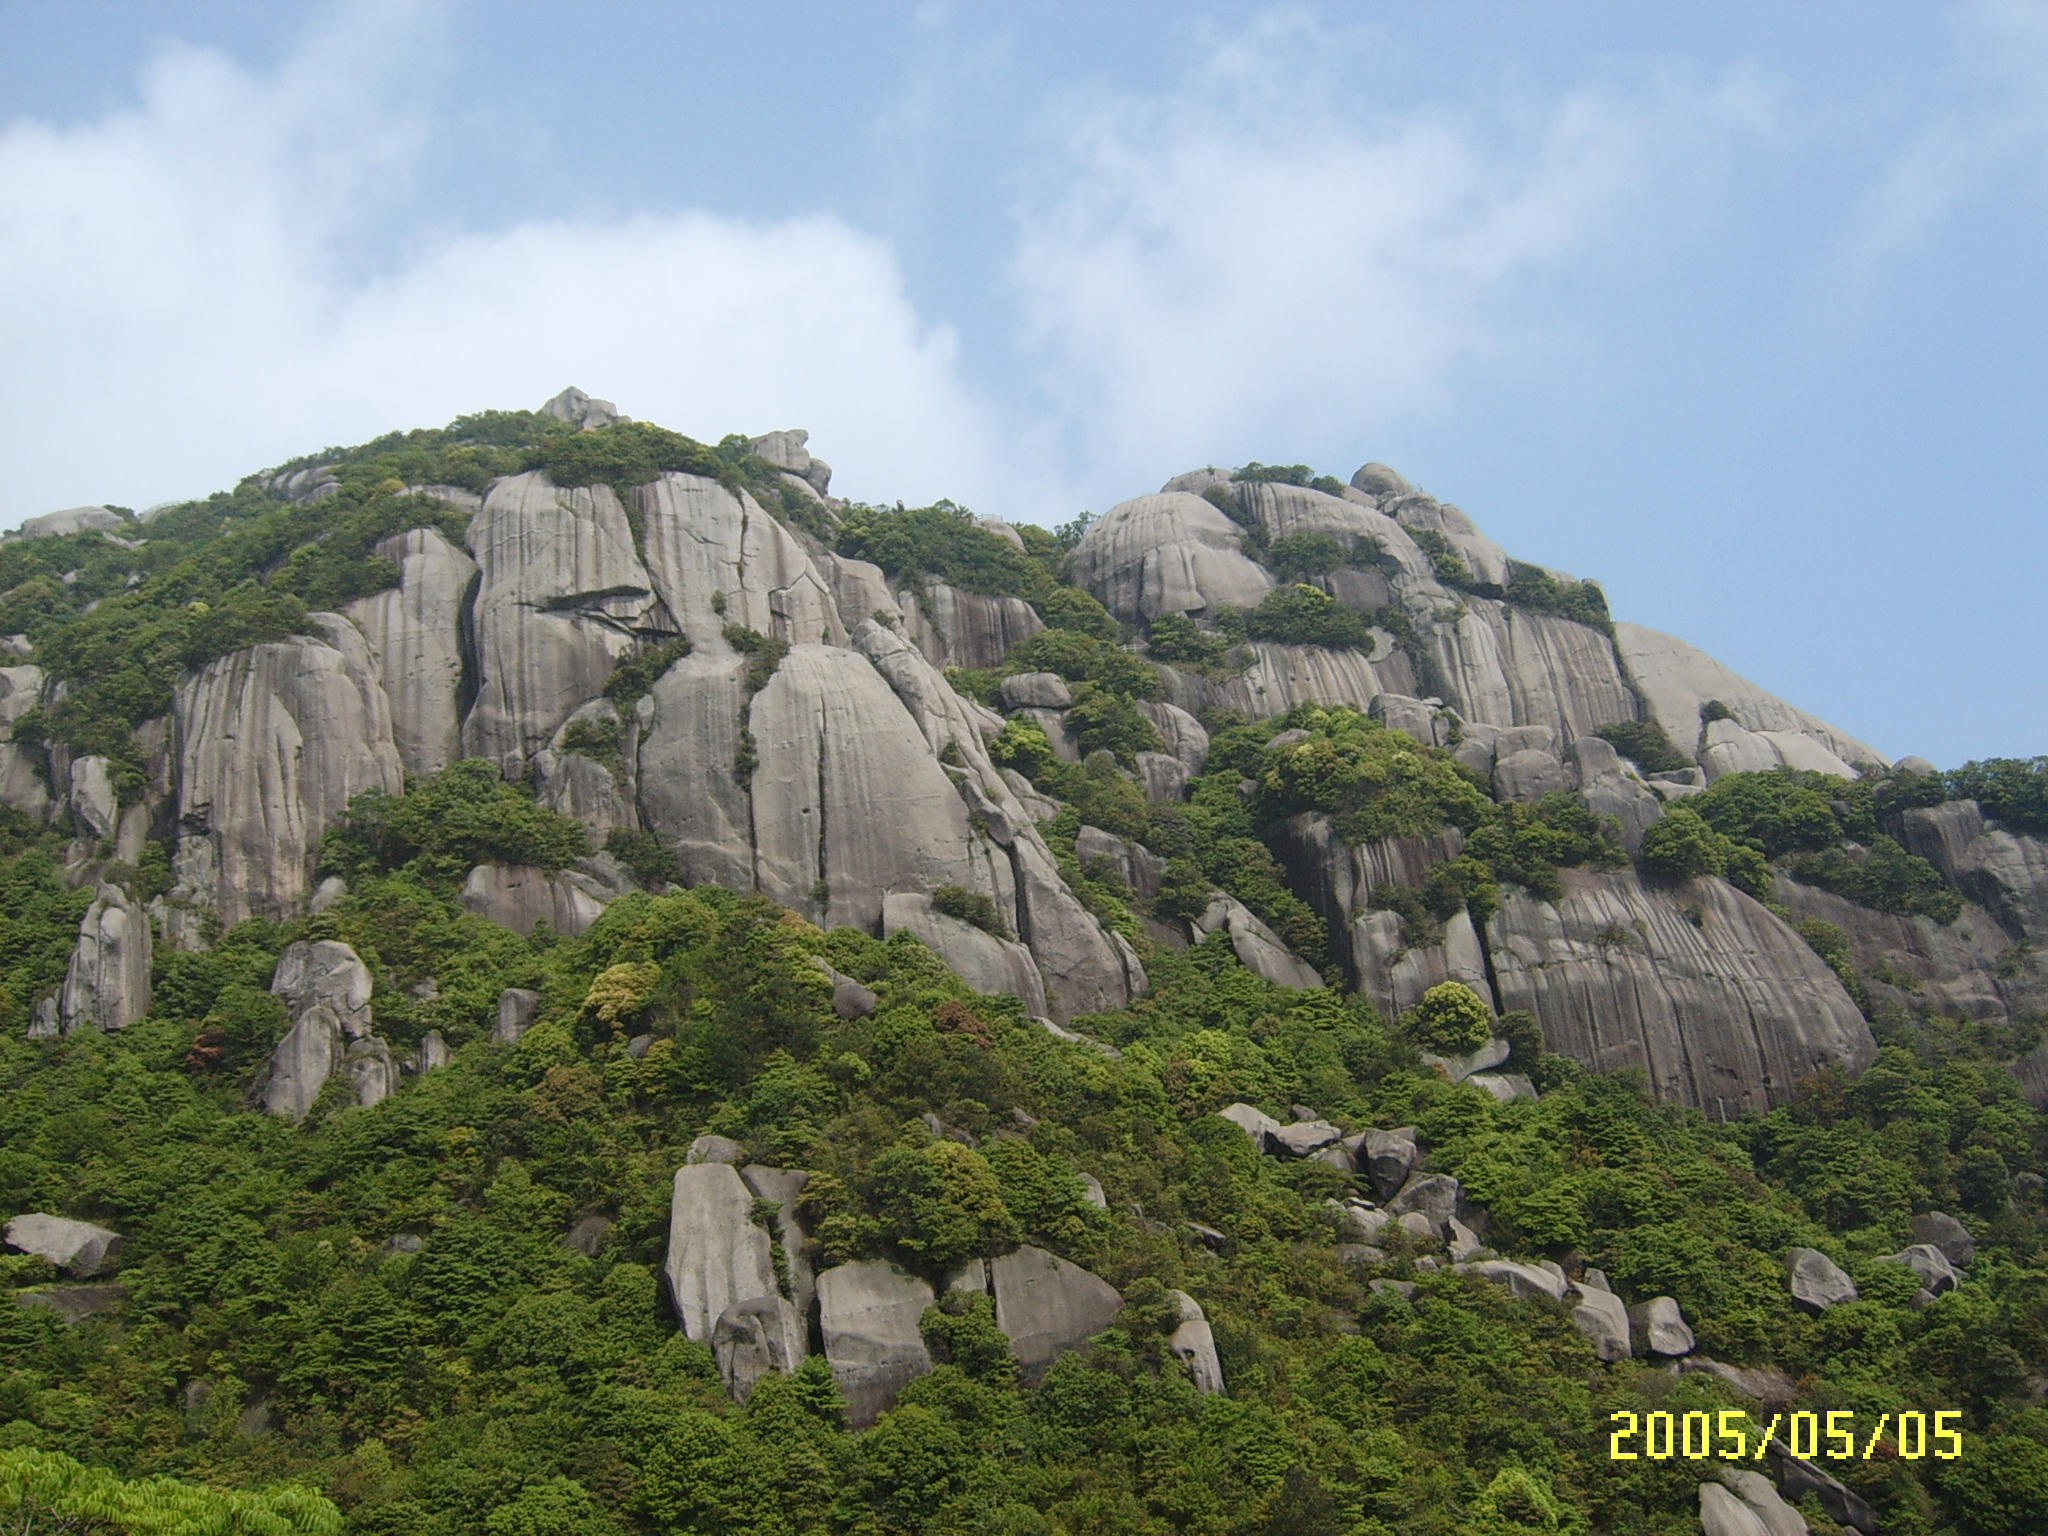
(1658, 1327)
(1047, 1306)
(1386, 1157)
(1816, 1281)
(965, 629)
(716, 1254)
(517, 1009)
(107, 985)
(55, 525)
(1755, 1490)
(868, 1317)
(1194, 1345)
(273, 742)
(1722, 1513)
(1170, 553)
(985, 962)
(325, 973)
(1601, 1317)
(1257, 945)
(326, 987)
(77, 1247)
(523, 898)
(21, 689)
(717, 561)
(414, 632)
(1930, 1264)
(754, 1337)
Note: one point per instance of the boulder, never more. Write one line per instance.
(1275, 678)
(783, 1186)
(1463, 1243)
(1091, 1191)
(716, 1253)
(95, 810)
(1528, 776)
(1185, 736)
(1433, 1195)
(106, 985)
(850, 1000)
(1194, 1345)
(56, 525)
(522, 897)
(325, 972)
(868, 1315)
(982, 960)
(1167, 553)
(1377, 480)
(1755, 1490)
(1930, 1264)
(21, 781)
(1254, 1122)
(1458, 1068)
(273, 743)
(786, 450)
(579, 409)
(1722, 1513)
(957, 628)
(1799, 1478)
(1766, 1384)
(1658, 1327)
(1418, 1226)
(1164, 777)
(42, 1023)
(1386, 1158)
(1816, 1281)
(1256, 945)
(1505, 1086)
(715, 1149)
(587, 1235)
(752, 1338)
(517, 1009)
(1947, 1234)
(1527, 1281)
(327, 894)
(301, 1063)
(414, 631)
(371, 1071)
(1403, 1289)
(1303, 1137)
(1608, 787)
(1035, 690)
(1046, 1306)
(76, 1247)
(1601, 1317)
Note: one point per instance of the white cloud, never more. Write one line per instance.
(176, 310)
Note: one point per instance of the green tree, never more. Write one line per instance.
(1451, 1019)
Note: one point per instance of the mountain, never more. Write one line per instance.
(585, 983)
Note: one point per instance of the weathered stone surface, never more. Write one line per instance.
(21, 786)
(327, 973)
(985, 962)
(1458, 1068)
(1528, 776)
(1257, 945)
(587, 1235)
(1930, 1264)
(301, 1063)
(522, 898)
(709, 1148)
(783, 1186)
(1035, 690)
(1719, 1003)
(1816, 1281)
(414, 631)
(1278, 677)
(432, 1053)
(1947, 1234)
(1601, 1317)
(1767, 1385)
(1658, 1327)
(1609, 787)
(1305, 1137)
(76, 1247)
(273, 742)
(1799, 1478)
(850, 1000)
(787, 451)
(1377, 480)
(1046, 1306)
(1955, 966)
(371, 1071)
(752, 1338)
(1676, 679)
(956, 628)
(42, 1024)
(1164, 777)
(868, 1315)
(1170, 553)
(579, 409)
(1527, 1281)
(1722, 1513)
(1511, 667)
(1387, 1158)
(55, 525)
(1087, 969)
(2003, 871)
(561, 598)
(517, 1009)
(1755, 1490)
(571, 783)
(1505, 1086)
(1137, 867)
(1433, 1195)
(94, 809)
(107, 983)
(1092, 1192)
(1254, 1122)
(716, 1254)
(1727, 747)
(1194, 1345)
(1184, 735)
(705, 543)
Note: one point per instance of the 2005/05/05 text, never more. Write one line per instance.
(1699, 1436)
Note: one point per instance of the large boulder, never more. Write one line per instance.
(1930, 1264)
(1194, 1345)
(782, 1186)
(1602, 1318)
(1046, 1306)
(523, 897)
(1947, 1234)
(1434, 1195)
(1256, 945)
(1035, 690)
(956, 628)
(985, 962)
(107, 983)
(1169, 553)
(301, 1063)
(752, 1338)
(1255, 1123)
(326, 988)
(717, 1255)
(414, 631)
(1386, 1158)
(21, 784)
(1816, 1281)
(77, 1247)
(1799, 1478)
(325, 971)
(1756, 1490)
(1528, 1281)
(372, 1072)
(868, 1316)
(1658, 1327)
(95, 810)
(1275, 678)
(1723, 1513)
(518, 1007)
(56, 525)
(273, 743)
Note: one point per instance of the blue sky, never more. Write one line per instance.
(1738, 308)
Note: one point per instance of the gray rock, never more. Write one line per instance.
(56, 525)
(1658, 1327)
(1194, 1345)
(638, 1047)
(957, 628)
(868, 1315)
(1256, 945)
(1609, 788)
(325, 972)
(1601, 1317)
(1418, 1225)
(1528, 776)
(588, 1235)
(1035, 690)
(1458, 1068)
(754, 1337)
(433, 1053)
(42, 1024)
(715, 1149)
(783, 1186)
(327, 894)
(523, 897)
(1185, 736)
(301, 1063)
(517, 1009)
(1433, 1195)
(985, 962)
(1169, 553)
(1387, 1158)
(1378, 480)
(850, 1000)
(94, 809)
(1799, 1478)
(1405, 1289)
(1755, 1490)
(1091, 1191)
(1304, 1137)
(709, 549)
(579, 409)
(1504, 1086)
(1047, 1306)
(77, 1247)
(1524, 1280)
(716, 1254)
(415, 632)
(1728, 747)
(1595, 1280)
(21, 781)
(75, 1303)
(1069, 1037)
(787, 451)
(106, 986)
(372, 1072)
(1139, 868)
(1930, 1264)
(1360, 1253)
(1463, 1242)
(1165, 778)
(1499, 663)
(1947, 1234)
(1816, 1281)
(273, 742)
(1254, 1122)
(1766, 1384)
(1722, 1513)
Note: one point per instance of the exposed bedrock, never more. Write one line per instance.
(717, 560)
(955, 628)
(106, 986)
(1169, 553)
(414, 631)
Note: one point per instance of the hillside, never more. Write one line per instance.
(557, 978)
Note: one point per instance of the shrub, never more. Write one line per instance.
(942, 540)
(1082, 658)
(1305, 615)
(639, 672)
(1375, 782)
(1256, 473)
(939, 1204)
(970, 907)
(627, 454)
(1644, 743)
(1023, 745)
(1681, 845)
(1887, 878)
(443, 824)
(645, 855)
(1535, 590)
(1451, 1020)
(1071, 608)
(1776, 813)
(2014, 789)
(766, 652)
(1444, 559)
(1174, 637)
(1102, 721)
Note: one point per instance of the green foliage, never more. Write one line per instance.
(1071, 608)
(1682, 845)
(1775, 813)
(447, 822)
(1256, 473)
(939, 1204)
(1444, 560)
(943, 542)
(1644, 743)
(970, 907)
(1451, 1019)
(2014, 789)
(625, 454)
(1307, 556)
(1023, 745)
(1305, 615)
(1886, 878)
(1535, 590)
(1081, 658)
(1174, 637)
(1374, 781)
(49, 1491)
(1103, 721)
(645, 855)
(639, 672)
(765, 653)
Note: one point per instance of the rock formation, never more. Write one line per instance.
(326, 987)
(1046, 1306)
(77, 1247)
(868, 1317)
(107, 985)
(414, 631)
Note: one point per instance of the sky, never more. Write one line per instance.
(1739, 309)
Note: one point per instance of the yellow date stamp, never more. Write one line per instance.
(1833, 1436)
